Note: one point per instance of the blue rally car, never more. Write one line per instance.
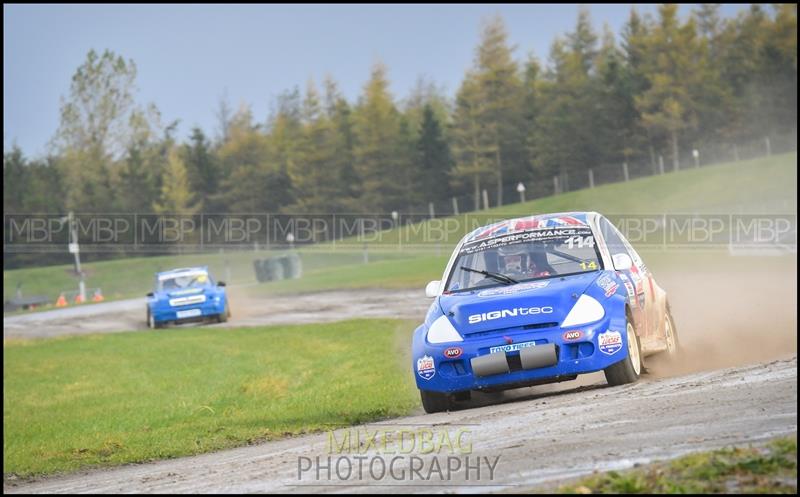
(186, 295)
(536, 300)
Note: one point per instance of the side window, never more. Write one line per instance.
(634, 255)
(617, 244)
(612, 238)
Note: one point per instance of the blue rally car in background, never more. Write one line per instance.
(186, 295)
(536, 300)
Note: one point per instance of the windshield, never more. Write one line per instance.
(183, 281)
(524, 256)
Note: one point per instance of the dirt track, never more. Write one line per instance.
(539, 439)
(735, 384)
(129, 315)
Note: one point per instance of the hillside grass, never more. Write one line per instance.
(407, 254)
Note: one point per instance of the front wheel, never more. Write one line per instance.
(629, 369)
(225, 314)
(435, 402)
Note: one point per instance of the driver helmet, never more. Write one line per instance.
(513, 259)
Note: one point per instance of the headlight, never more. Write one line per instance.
(441, 331)
(585, 310)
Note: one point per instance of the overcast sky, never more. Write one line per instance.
(188, 56)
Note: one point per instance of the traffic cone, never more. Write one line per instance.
(98, 296)
(78, 299)
(61, 302)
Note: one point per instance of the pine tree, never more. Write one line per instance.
(615, 110)
(243, 160)
(568, 142)
(433, 158)
(379, 161)
(176, 196)
(16, 181)
(500, 114)
(634, 48)
(469, 140)
(135, 188)
(203, 169)
(668, 106)
(346, 184)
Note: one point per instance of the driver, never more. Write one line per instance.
(515, 260)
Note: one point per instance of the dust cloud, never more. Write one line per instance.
(741, 312)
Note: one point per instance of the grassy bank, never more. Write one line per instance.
(766, 185)
(131, 397)
(126, 278)
(765, 469)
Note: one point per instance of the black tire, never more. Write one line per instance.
(626, 371)
(152, 323)
(224, 315)
(435, 402)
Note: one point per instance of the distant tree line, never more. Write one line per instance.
(666, 85)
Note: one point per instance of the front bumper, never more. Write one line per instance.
(206, 309)
(476, 368)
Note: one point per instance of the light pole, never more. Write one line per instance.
(290, 240)
(395, 215)
(521, 190)
(72, 246)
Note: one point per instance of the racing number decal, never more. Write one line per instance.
(580, 241)
(590, 265)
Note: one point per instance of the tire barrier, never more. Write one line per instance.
(287, 266)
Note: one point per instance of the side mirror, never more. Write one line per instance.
(220, 283)
(432, 288)
(622, 262)
(150, 294)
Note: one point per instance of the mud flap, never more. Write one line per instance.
(539, 356)
(487, 365)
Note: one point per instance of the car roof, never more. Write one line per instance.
(550, 220)
(197, 269)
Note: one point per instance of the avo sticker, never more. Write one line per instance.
(425, 367)
(572, 335)
(453, 352)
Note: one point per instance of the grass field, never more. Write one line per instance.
(768, 469)
(766, 185)
(126, 278)
(131, 397)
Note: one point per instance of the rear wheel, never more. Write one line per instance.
(435, 402)
(151, 321)
(671, 335)
(629, 369)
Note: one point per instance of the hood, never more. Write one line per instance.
(528, 303)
